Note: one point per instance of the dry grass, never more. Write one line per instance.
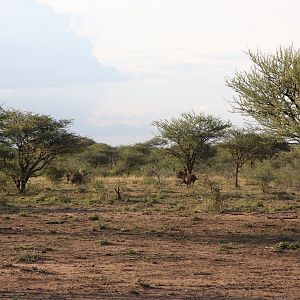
(134, 250)
(161, 241)
(138, 192)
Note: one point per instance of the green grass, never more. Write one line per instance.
(105, 243)
(145, 194)
(285, 246)
(244, 205)
(226, 248)
(100, 226)
(132, 252)
(28, 258)
(94, 217)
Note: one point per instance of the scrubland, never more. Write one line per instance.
(160, 240)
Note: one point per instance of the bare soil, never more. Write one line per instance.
(108, 252)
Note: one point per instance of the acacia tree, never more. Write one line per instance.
(246, 146)
(99, 154)
(158, 161)
(270, 91)
(190, 136)
(131, 158)
(31, 142)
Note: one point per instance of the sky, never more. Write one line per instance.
(114, 66)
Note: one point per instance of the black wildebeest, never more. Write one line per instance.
(188, 179)
(76, 177)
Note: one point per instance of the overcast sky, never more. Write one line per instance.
(114, 66)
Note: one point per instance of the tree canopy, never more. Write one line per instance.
(248, 146)
(190, 135)
(30, 142)
(100, 155)
(270, 91)
(131, 158)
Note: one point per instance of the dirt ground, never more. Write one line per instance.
(107, 252)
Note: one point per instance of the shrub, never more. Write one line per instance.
(264, 175)
(288, 177)
(4, 182)
(216, 202)
(105, 243)
(28, 258)
(94, 217)
(4, 202)
(54, 174)
(101, 189)
(283, 246)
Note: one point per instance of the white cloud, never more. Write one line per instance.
(142, 36)
(107, 116)
(6, 93)
(176, 53)
(37, 50)
(138, 102)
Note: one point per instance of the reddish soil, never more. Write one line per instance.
(56, 253)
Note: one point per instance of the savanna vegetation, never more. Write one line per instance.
(129, 228)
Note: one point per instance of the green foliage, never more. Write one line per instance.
(101, 189)
(105, 243)
(4, 182)
(264, 175)
(248, 205)
(31, 142)
(244, 145)
(101, 160)
(54, 174)
(28, 258)
(287, 167)
(216, 201)
(94, 217)
(288, 177)
(269, 92)
(190, 136)
(4, 202)
(221, 163)
(227, 248)
(284, 246)
(100, 155)
(131, 158)
(50, 200)
(159, 164)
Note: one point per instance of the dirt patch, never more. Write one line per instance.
(111, 253)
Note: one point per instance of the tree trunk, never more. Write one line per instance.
(21, 184)
(237, 175)
(158, 178)
(188, 169)
(119, 193)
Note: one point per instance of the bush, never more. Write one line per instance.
(264, 175)
(5, 183)
(216, 202)
(288, 177)
(28, 258)
(94, 217)
(4, 202)
(284, 246)
(101, 189)
(54, 174)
